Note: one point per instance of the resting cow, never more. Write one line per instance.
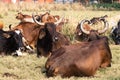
(115, 34)
(11, 42)
(84, 27)
(24, 18)
(80, 59)
(30, 30)
(48, 35)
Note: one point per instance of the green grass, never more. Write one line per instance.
(30, 67)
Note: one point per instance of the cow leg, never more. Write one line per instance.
(52, 71)
(105, 64)
(29, 49)
(32, 45)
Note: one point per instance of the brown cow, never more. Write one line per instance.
(46, 17)
(47, 36)
(80, 59)
(84, 27)
(30, 30)
(24, 17)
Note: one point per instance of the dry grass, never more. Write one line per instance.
(30, 67)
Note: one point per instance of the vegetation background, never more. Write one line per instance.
(30, 67)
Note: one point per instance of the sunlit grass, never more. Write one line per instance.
(30, 67)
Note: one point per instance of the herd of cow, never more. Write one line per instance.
(42, 33)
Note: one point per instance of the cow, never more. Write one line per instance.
(46, 17)
(80, 59)
(11, 42)
(48, 35)
(30, 31)
(84, 27)
(24, 17)
(115, 34)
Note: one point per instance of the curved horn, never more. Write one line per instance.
(59, 21)
(34, 19)
(105, 27)
(82, 28)
(10, 27)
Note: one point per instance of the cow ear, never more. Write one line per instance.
(6, 35)
(42, 34)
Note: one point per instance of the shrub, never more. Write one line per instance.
(107, 6)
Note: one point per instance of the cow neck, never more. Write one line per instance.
(56, 45)
(58, 51)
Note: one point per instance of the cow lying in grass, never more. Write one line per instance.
(80, 59)
(11, 42)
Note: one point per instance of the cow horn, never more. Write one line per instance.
(34, 19)
(10, 27)
(105, 27)
(59, 21)
(82, 28)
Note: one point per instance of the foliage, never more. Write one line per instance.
(106, 6)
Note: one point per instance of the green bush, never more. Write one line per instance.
(107, 6)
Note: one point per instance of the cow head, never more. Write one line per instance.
(24, 17)
(18, 38)
(13, 42)
(47, 35)
(79, 34)
(48, 27)
(115, 34)
(19, 16)
(89, 34)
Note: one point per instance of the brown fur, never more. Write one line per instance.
(29, 31)
(82, 59)
(79, 35)
(1, 25)
(21, 16)
(50, 40)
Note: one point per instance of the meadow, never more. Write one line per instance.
(31, 68)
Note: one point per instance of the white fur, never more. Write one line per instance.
(18, 52)
(28, 47)
(17, 31)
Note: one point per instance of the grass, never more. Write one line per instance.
(30, 67)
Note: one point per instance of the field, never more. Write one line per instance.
(30, 67)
